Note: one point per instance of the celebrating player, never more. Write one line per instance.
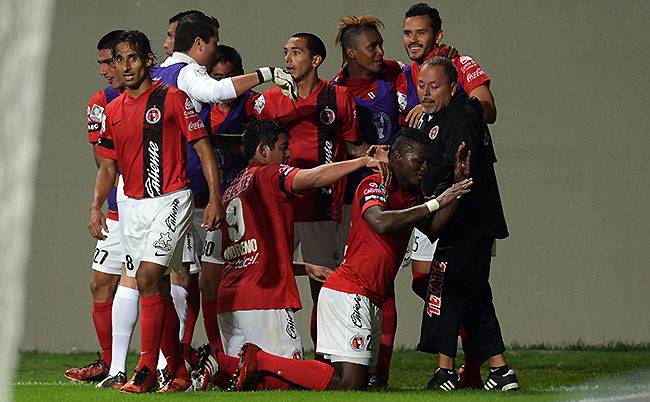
(143, 131)
(459, 291)
(257, 294)
(348, 310)
(106, 262)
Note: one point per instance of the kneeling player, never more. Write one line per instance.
(349, 315)
(143, 131)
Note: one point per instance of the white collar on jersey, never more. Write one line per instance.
(177, 57)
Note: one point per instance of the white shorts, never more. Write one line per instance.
(152, 227)
(349, 327)
(423, 249)
(193, 243)
(274, 331)
(212, 248)
(317, 241)
(107, 257)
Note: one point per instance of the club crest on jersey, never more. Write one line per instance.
(164, 243)
(327, 116)
(358, 342)
(153, 115)
(296, 355)
(259, 104)
(434, 132)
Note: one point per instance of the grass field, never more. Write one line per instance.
(545, 375)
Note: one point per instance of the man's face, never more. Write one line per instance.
(221, 70)
(411, 166)
(129, 63)
(169, 39)
(297, 59)
(207, 50)
(434, 89)
(107, 69)
(368, 51)
(419, 38)
(280, 152)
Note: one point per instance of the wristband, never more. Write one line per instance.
(264, 74)
(433, 205)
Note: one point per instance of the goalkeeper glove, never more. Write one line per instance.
(281, 78)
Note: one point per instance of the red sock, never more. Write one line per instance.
(193, 306)
(472, 361)
(102, 320)
(170, 344)
(420, 284)
(227, 364)
(313, 326)
(152, 319)
(309, 374)
(388, 329)
(270, 382)
(211, 324)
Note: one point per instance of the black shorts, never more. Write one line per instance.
(459, 293)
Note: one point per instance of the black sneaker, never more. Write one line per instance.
(501, 379)
(116, 381)
(377, 383)
(444, 379)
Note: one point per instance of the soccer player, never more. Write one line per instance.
(257, 294)
(170, 37)
(422, 35)
(348, 310)
(106, 261)
(143, 131)
(372, 82)
(322, 130)
(459, 291)
(226, 119)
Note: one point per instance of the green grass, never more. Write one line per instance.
(545, 375)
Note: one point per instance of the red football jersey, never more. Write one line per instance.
(372, 260)
(258, 241)
(366, 88)
(145, 136)
(319, 126)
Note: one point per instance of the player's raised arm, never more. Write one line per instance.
(326, 174)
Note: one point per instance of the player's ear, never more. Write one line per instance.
(439, 36)
(149, 61)
(350, 53)
(316, 61)
(262, 150)
(454, 87)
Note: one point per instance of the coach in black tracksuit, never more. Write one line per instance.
(459, 291)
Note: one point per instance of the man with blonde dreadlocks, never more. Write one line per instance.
(371, 81)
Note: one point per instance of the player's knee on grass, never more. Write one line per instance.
(349, 376)
(103, 286)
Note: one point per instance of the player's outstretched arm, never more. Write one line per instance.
(328, 173)
(104, 182)
(214, 214)
(484, 95)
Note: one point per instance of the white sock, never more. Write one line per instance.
(162, 361)
(124, 316)
(179, 295)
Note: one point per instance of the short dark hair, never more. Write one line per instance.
(315, 44)
(419, 9)
(258, 132)
(182, 14)
(229, 54)
(450, 68)
(137, 41)
(405, 140)
(108, 41)
(194, 26)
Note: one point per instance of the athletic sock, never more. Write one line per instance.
(170, 344)
(211, 324)
(271, 382)
(227, 364)
(309, 374)
(420, 284)
(101, 313)
(472, 363)
(179, 295)
(193, 307)
(388, 329)
(152, 319)
(124, 317)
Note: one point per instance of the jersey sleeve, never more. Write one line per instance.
(470, 74)
(185, 115)
(348, 125)
(280, 177)
(195, 81)
(105, 145)
(94, 115)
(393, 71)
(371, 193)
